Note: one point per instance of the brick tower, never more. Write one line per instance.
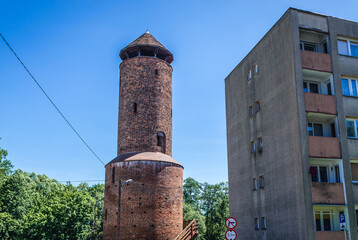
(143, 186)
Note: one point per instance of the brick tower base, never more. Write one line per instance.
(151, 203)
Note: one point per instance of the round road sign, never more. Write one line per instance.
(231, 223)
(230, 235)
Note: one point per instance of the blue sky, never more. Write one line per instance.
(72, 48)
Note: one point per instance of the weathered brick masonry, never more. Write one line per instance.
(151, 203)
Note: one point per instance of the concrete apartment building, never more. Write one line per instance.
(292, 131)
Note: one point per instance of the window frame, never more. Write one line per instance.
(263, 223)
(321, 212)
(249, 75)
(350, 86)
(355, 121)
(253, 146)
(256, 69)
(319, 172)
(257, 224)
(349, 42)
(254, 184)
(262, 181)
(313, 129)
(259, 144)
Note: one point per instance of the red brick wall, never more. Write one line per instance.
(151, 205)
(146, 81)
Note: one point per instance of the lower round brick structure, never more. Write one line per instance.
(151, 204)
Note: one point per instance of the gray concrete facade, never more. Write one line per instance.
(285, 200)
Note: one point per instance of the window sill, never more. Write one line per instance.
(354, 182)
(353, 138)
(347, 56)
(349, 96)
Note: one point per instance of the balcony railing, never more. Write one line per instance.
(320, 103)
(331, 235)
(316, 61)
(327, 193)
(324, 147)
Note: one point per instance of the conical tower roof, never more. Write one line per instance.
(146, 39)
(146, 46)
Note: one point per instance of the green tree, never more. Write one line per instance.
(5, 164)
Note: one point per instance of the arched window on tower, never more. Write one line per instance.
(161, 141)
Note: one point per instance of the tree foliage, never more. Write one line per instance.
(36, 207)
(210, 204)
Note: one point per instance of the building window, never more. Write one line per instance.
(156, 71)
(319, 173)
(262, 181)
(310, 87)
(354, 169)
(257, 105)
(161, 141)
(314, 129)
(352, 125)
(257, 224)
(259, 144)
(253, 146)
(113, 174)
(348, 47)
(337, 174)
(323, 220)
(308, 46)
(249, 75)
(357, 216)
(135, 107)
(349, 87)
(254, 184)
(105, 215)
(256, 69)
(263, 223)
(251, 111)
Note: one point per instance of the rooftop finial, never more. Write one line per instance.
(147, 31)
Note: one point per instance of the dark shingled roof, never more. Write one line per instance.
(146, 39)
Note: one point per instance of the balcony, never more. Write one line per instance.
(331, 235)
(316, 61)
(324, 147)
(320, 103)
(327, 193)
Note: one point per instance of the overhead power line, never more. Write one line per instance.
(53, 104)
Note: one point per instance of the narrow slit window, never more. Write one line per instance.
(135, 107)
(259, 143)
(105, 215)
(253, 147)
(156, 71)
(256, 68)
(251, 110)
(161, 141)
(249, 75)
(263, 223)
(257, 224)
(257, 105)
(113, 174)
(262, 181)
(254, 184)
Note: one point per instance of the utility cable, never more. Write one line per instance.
(43, 91)
(83, 181)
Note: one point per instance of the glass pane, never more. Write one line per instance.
(313, 88)
(314, 173)
(350, 128)
(327, 221)
(345, 88)
(323, 174)
(336, 169)
(342, 47)
(354, 49)
(354, 87)
(317, 217)
(357, 217)
(309, 47)
(310, 129)
(329, 89)
(318, 129)
(305, 88)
